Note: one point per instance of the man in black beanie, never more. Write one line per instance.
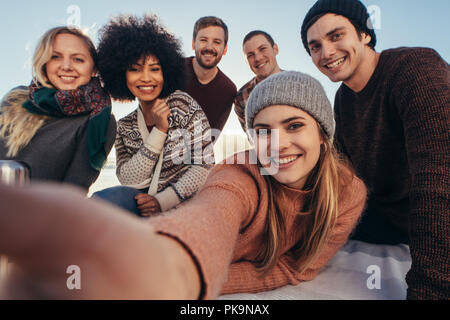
(392, 115)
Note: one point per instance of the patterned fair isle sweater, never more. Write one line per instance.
(396, 132)
(223, 228)
(187, 152)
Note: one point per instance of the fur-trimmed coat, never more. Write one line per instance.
(55, 149)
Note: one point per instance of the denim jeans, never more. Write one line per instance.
(121, 196)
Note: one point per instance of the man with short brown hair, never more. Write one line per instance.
(206, 83)
(260, 50)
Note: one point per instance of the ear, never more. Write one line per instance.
(225, 50)
(275, 48)
(366, 38)
(193, 44)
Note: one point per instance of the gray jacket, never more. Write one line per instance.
(59, 151)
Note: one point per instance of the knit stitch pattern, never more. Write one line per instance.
(188, 138)
(396, 132)
(223, 228)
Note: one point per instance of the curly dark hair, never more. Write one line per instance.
(124, 40)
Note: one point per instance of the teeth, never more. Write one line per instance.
(146, 88)
(287, 160)
(336, 63)
(67, 78)
(260, 66)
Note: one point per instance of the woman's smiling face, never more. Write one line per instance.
(288, 141)
(145, 79)
(70, 64)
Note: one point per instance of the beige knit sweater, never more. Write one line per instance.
(188, 138)
(222, 228)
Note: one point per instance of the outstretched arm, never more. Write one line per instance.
(118, 254)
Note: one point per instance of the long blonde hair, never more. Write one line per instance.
(326, 181)
(17, 126)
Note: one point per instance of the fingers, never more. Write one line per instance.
(147, 205)
(145, 200)
(47, 227)
(160, 115)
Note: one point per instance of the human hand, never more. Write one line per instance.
(48, 227)
(159, 115)
(147, 205)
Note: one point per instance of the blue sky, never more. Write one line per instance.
(401, 22)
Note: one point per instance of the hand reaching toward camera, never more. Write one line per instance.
(46, 228)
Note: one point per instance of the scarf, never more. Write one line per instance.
(87, 99)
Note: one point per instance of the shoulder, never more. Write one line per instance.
(112, 125)
(240, 165)
(407, 52)
(188, 61)
(127, 123)
(240, 173)
(227, 82)
(186, 112)
(189, 69)
(182, 103)
(249, 85)
(412, 60)
(17, 95)
(181, 98)
(128, 118)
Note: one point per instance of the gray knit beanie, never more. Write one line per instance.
(294, 89)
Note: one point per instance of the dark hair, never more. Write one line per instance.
(125, 40)
(209, 21)
(254, 33)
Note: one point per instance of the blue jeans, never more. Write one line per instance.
(120, 196)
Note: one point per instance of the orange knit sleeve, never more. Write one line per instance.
(209, 224)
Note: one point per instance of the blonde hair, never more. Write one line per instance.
(18, 126)
(326, 181)
(44, 51)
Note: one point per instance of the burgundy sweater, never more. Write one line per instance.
(216, 98)
(396, 132)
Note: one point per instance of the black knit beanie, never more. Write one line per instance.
(353, 10)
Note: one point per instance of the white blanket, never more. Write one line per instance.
(359, 271)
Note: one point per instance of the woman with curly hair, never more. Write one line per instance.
(61, 125)
(163, 148)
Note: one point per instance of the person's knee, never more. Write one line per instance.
(121, 196)
(109, 193)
